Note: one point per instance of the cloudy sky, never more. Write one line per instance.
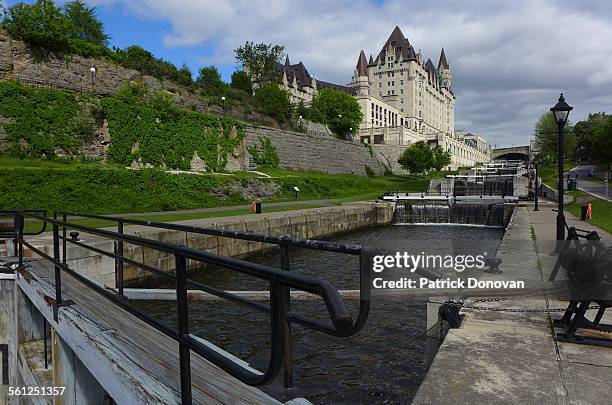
(510, 59)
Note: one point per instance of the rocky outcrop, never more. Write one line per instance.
(73, 73)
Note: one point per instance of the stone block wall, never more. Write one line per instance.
(305, 224)
(322, 153)
(389, 154)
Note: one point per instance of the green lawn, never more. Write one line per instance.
(35, 226)
(602, 211)
(96, 187)
(550, 173)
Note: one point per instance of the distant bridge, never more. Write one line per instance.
(511, 153)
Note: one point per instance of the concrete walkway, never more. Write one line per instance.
(512, 358)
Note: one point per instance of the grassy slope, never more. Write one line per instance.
(602, 211)
(549, 173)
(101, 188)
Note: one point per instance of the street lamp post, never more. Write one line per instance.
(223, 101)
(536, 162)
(561, 111)
(93, 77)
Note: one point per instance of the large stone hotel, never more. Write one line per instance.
(404, 99)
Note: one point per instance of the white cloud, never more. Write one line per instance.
(509, 59)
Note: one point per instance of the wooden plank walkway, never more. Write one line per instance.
(135, 363)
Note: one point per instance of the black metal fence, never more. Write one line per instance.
(281, 281)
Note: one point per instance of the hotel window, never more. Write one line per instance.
(393, 83)
(402, 91)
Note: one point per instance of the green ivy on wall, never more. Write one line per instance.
(169, 137)
(44, 122)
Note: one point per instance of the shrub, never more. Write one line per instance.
(40, 24)
(369, 171)
(418, 158)
(274, 102)
(265, 155)
(242, 81)
(210, 81)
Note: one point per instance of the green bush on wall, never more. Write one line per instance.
(41, 122)
(169, 138)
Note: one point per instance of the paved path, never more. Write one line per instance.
(512, 358)
(595, 188)
(587, 185)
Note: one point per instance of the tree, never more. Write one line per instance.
(260, 60)
(85, 25)
(417, 158)
(40, 24)
(184, 76)
(210, 79)
(547, 137)
(601, 140)
(585, 131)
(242, 81)
(442, 158)
(340, 110)
(274, 102)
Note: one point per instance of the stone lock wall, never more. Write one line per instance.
(308, 223)
(298, 151)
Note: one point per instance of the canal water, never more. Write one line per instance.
(385, 363)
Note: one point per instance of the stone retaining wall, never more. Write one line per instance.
(322, 153)
(308, 223)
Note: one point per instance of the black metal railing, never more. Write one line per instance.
(281, 281)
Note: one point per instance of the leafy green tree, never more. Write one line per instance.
(340, 110)
(260, 60)
(547, 137)
(242, 81)
(210, 80)
(417, 158)
(40, 24)
(274, 102)
(601, 140)
(184, 76)
(138, 58)
(585, 131)
(442, 158)
(85, 25)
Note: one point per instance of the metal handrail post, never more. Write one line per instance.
(119, 259)
(64, 219)
(286, 307)
(183, 329)
(58, 275)
(19, 224)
